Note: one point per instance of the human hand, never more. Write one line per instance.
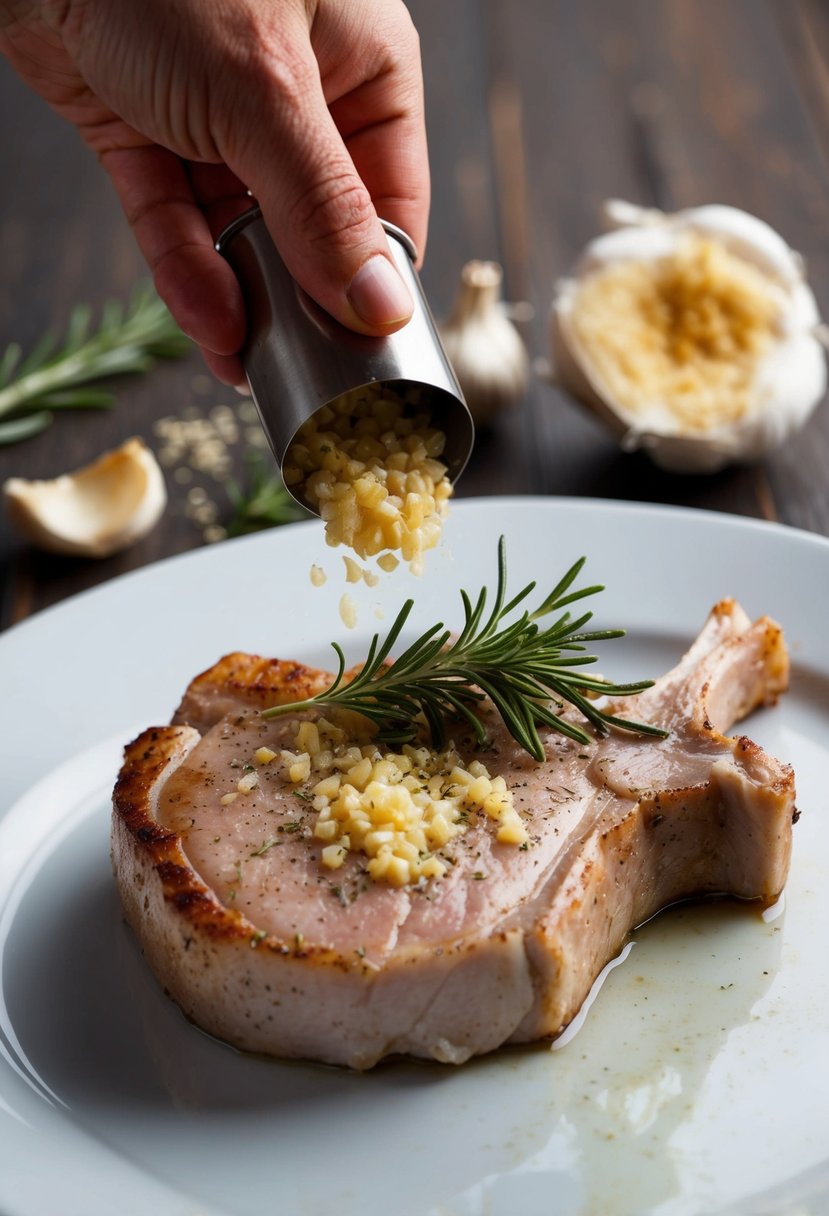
(314, 106)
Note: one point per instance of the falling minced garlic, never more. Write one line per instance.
(694, 336)
(371, 465)
(348, 611)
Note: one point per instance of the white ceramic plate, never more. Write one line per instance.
(698, 1082)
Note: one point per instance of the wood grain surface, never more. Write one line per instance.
(538, 110)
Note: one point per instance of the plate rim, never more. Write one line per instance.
(707, 517)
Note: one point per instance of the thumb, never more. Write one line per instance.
(319, 213)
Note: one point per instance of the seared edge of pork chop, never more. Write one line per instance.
(728, 833)
(247, 680)
(265, 994)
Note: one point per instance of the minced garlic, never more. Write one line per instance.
(399, 809)
(353, 571)
(348, 611)
(373, 470)
(684, 331)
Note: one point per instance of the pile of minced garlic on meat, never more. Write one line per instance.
(398, 809)
(370, 465)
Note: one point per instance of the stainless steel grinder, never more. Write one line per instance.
(299, 359)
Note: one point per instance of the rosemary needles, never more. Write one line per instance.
(262, 501)
(127, 340)
(529, 673)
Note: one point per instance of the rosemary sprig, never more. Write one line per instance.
(52, 377)
(262, 501)
(527, 672)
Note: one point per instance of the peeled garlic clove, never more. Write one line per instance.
(97, 510)
(694, 336)
(483, 345)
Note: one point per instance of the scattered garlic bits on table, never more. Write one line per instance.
(370, 464)
(694, 336)
(398, 809)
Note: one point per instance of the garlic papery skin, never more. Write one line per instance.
(95, 511)
(693, 336)
(482, 344)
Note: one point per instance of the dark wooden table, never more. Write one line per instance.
(538, 111)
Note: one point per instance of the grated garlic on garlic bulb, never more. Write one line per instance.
(483, 346)
(694, 336)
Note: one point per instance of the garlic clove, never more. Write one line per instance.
(694, 336)
(95, 511)
(482, 344)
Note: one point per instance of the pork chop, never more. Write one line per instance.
(263, 947)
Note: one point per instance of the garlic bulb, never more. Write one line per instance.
(95, 511)
(694, 336)
(483, 345)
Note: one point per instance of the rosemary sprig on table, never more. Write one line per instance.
(528, 673)
(261, 501)
(128, 339)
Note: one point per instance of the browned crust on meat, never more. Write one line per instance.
(274, 681)
(147, 760)
(776, 662)
(248, 680)
(157, 850)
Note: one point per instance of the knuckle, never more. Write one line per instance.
(334, 213)
(393, 27)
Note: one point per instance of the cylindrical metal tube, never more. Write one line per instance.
(299, 359)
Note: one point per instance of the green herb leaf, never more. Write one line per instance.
(16, 429)
(527, 672)
(262, 501)
(265, 846)
(127, 341)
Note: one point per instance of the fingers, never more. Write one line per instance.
(392, 161)
(318, 210)
(321, 218)
(383, 125)
(227, 368)
(219, 193)
(173, 232)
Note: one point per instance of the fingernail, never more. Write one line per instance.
(378, 294)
